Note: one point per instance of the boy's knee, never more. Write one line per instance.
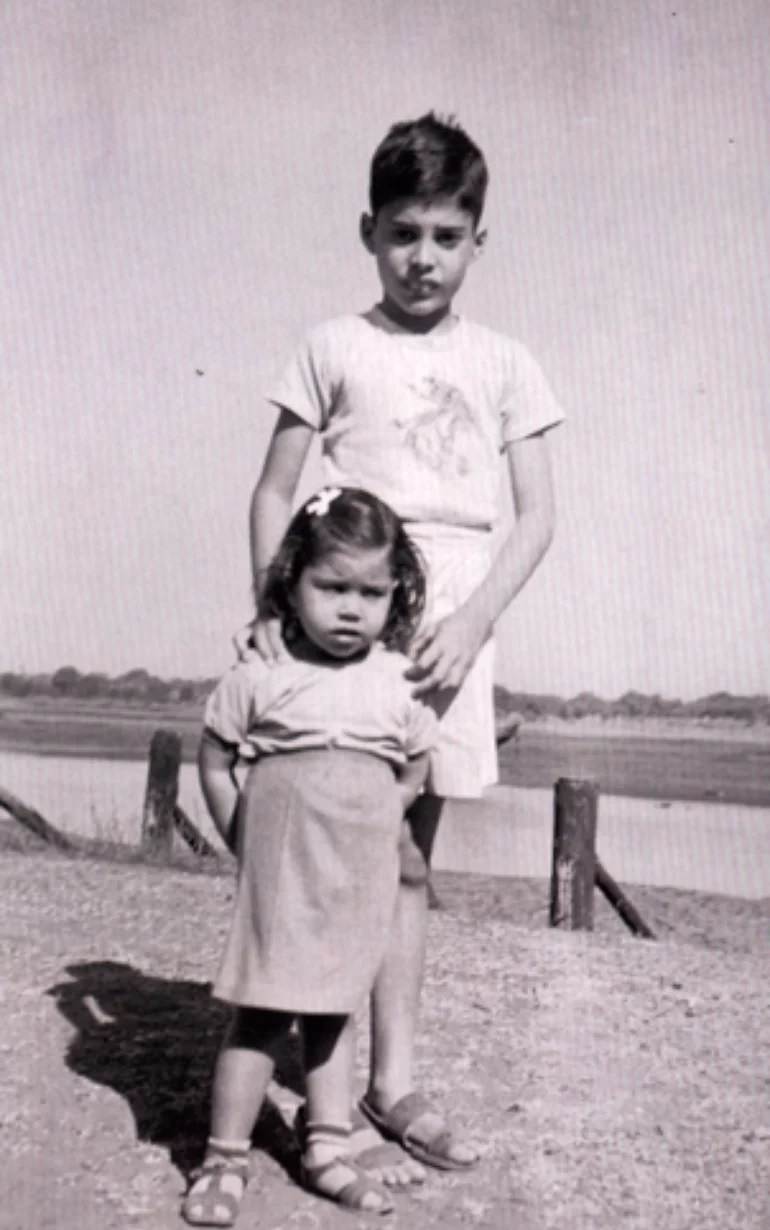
(415, 848)
(414, 869)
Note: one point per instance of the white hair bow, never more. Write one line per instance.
(320, 503)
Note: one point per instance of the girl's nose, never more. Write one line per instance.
(350, 607)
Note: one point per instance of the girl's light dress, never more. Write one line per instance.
(318, 826)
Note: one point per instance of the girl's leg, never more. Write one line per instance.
(328, 1043)
(243, 1071)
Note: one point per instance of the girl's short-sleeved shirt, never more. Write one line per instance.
(292, 705)
(418, 420)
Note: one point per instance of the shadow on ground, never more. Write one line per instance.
(154, 1042)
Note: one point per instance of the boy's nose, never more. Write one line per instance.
(423, 256)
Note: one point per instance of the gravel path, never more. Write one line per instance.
(611, 1081)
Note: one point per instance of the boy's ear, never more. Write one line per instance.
(366, 231)
(479, 244)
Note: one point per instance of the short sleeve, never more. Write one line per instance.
(307, 386)
(528, 404)
(231, 708)
(422, 729)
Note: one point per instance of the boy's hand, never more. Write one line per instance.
(262, 639)
(444, 653)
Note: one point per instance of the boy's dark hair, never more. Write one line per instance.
(428, 157)
(336, 522)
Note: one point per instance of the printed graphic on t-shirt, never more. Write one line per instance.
(438, 435)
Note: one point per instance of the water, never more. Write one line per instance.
(92, 797)
(711, 847)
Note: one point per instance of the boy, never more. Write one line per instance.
(415, 403)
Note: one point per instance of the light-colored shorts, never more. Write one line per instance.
(464, 762)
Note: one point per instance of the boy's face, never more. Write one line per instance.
(423, 249)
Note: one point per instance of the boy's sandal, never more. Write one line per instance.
(353, 1188)
(419, 1129)
(368, 1149)
(215, 1193)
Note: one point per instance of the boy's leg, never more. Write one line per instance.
(242, 1073)
(396, 994)
(327, 1167)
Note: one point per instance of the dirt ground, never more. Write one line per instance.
(610, 1081)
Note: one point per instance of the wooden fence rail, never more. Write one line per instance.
(34, 822)
(575, 868)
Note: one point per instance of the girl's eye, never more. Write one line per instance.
(375, 593)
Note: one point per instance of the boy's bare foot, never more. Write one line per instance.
(384, 1160)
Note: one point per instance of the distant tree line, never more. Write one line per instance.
(530, 705)
(136, 685)
(140, 687)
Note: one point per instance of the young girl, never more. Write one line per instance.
(340, 749)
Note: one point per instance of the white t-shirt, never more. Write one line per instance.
(419, 420)
(288, 706)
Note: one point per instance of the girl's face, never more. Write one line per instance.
(343, 600)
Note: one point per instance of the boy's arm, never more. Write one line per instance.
(216, 762)
(270, 513)
(411, 778)
(445, 652)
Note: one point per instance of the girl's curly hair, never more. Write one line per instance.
(338, 519)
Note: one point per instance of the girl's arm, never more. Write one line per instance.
(216, 764)
(270, 513)
(411, 778)
(445, 652)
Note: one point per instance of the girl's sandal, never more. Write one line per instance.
(345, 1182)
(384, 1161)
(215, 1193)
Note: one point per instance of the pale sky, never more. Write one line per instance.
(181, 186)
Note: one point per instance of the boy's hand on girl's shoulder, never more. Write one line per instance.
(443, 653)
(260, 639)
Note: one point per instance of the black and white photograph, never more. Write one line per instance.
(385, 617)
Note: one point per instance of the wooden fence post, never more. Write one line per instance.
(160, 794)
(574, 854)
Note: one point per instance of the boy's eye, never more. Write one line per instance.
(448, 239)
(403, 234)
